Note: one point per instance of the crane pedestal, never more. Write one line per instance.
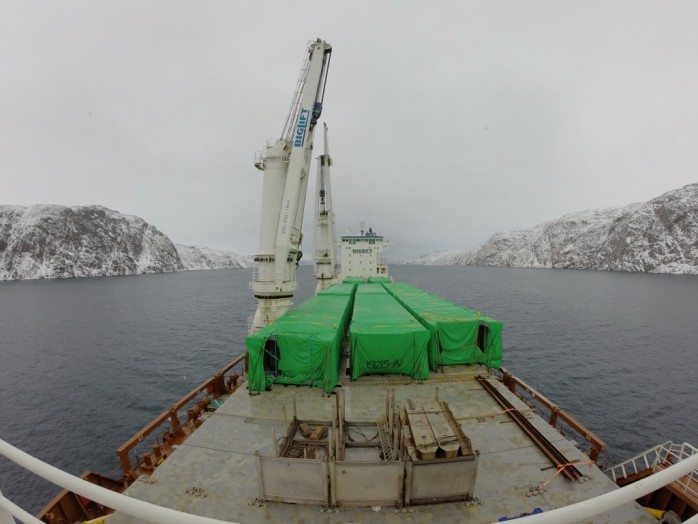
(268, 310)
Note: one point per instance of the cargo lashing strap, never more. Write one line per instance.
(383, 432)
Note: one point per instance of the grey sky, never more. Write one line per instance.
(449, 121)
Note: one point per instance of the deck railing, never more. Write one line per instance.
(148, 448)
(223, 382)
(613, 499)
(656, 459)
(557, 417)
(117, 501)
(160, 515)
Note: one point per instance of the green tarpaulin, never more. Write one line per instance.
(396, 328)
(385, 338)
(339, 289)
(378, 280)
(458, 335)
(372, 289)
(301, 347)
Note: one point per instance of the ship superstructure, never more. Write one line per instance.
(361, 254)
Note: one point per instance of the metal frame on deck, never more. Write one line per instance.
(403, 476)
(523, 390)
(555, 456)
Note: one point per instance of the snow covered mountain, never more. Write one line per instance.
(444, 257)
(196, 257)
(659, 236)
(50, 241)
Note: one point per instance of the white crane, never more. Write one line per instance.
(286, 164)
(324, 244)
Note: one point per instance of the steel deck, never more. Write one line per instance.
(213, 473)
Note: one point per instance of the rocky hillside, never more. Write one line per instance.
(659, 236)
(49, 241)
(196, 257)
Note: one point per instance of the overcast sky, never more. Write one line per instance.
(449, 121)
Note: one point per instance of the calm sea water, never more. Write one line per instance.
(85, 363)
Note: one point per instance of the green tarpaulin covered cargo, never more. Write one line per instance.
(378, 280)
(301, 347)
(339, 289)
(396, 328)
(458, 335)
(385, 338)
(371, 289)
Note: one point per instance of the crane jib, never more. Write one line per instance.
(301, 127)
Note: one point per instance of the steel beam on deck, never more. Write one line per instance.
(549, 450)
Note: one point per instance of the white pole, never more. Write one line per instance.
(130, 506)
(8, 508)
(616, 498)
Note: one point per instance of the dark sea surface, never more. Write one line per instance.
(85, 363)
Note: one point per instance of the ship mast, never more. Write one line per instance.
(324, 245)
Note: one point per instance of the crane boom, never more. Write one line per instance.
(286, 165)
(324, 245)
